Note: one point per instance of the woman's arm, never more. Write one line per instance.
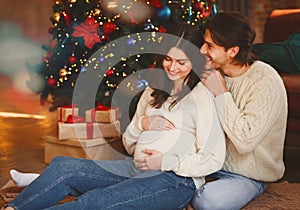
(134, 129)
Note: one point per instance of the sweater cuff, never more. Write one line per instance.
(138, 124)
(170, 163)
(220, 100)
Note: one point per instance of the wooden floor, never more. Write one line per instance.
(21, 146)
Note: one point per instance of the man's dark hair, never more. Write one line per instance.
(229, 29)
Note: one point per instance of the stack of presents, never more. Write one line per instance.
(95, 136)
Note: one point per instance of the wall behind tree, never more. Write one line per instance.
(257, 10)
(33, 16)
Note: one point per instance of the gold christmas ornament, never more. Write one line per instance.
(58, 2)
(63, 72)
(97, 11)
(56, 16)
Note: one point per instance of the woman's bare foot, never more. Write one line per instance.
(7, 208)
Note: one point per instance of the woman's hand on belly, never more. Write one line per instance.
(156, 122)
(152, 160)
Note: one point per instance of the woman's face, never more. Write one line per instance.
(177, 64)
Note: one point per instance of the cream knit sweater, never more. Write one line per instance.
(195, 148)
(254, 115)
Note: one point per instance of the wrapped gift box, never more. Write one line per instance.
(65, 111)
(95, 149)
(88, 130)
(102, 116)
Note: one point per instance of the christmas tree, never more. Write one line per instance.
(82, 27)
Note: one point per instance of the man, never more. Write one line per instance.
(251, 103)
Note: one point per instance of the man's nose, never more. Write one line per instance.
(203, 49)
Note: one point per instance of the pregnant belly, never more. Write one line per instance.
(174, 141)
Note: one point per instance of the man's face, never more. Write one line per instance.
(216, 56)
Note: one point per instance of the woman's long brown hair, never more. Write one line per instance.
(192, 36)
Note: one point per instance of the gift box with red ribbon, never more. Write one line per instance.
(102, 114)
(96, 149)
(77, 128)
(65, 111)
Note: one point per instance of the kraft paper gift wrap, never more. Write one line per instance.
(87, 130)
(102, 116)
(65, 111)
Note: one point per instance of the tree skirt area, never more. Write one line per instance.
(278, 196)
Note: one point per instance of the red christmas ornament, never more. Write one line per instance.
(51, 30)
(162, 29)
(51, 82)
(72, 59)
(109, 28)
(155, 3)
(67, 18)
(206, 12)
(109, 72)
(198, 6)
(152, 66)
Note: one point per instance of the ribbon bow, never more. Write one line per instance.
(74, 119)
(71, 106)
(102, 107)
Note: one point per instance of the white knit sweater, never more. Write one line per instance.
(254, 115)
(195, 148)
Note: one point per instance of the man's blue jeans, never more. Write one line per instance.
(228, 192)
(104, 185)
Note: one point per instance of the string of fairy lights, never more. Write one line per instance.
(99, 21)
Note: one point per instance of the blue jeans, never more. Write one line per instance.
(101, 185)
(228, 192)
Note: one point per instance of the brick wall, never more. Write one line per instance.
(258, 11)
